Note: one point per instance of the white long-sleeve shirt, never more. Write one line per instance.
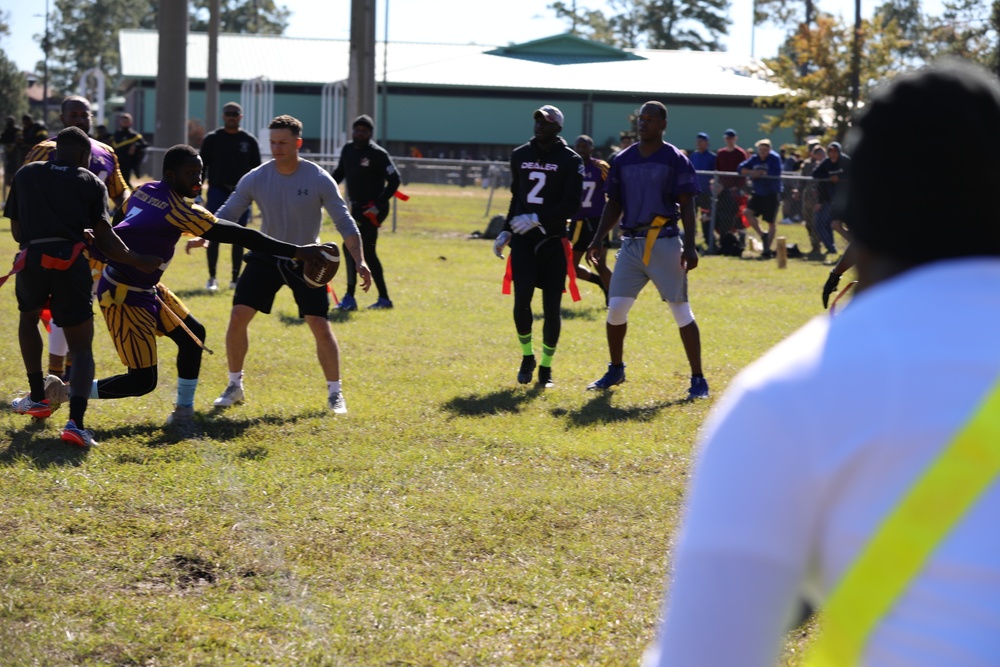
(809, 450)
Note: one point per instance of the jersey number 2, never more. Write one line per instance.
(533, 197)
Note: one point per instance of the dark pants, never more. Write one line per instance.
(217, 196)
(369, 237)
(538, 264)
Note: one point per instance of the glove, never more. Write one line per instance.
(524, 223)
(503, 238)
(830, 287)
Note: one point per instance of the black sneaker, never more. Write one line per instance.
(545, 377)
(527, 368)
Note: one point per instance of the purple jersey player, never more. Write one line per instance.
(652, 186)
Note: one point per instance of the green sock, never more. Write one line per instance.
(525, 342)
(547, 354)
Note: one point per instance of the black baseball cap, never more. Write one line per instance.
(703, 135)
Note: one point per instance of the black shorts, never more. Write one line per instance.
(765, 206)
(68, 292)
(539, 262)
(263, 277)
(581, 233)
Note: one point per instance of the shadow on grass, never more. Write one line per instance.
(42, 448)
(588, 313)
(338, 315)
(497, 402)
(290, 320)
(198, 291)
(599, 410)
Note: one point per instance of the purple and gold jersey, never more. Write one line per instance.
(103, 163)
(155, 218)
(648, 187)
(595, 176)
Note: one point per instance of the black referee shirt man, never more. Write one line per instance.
(227, 153)
(372, 180)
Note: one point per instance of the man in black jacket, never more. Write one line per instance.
(372, 181)
(228, 153)
(546, 185)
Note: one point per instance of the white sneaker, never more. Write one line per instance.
(337, 403)
(180, 416)
(231, 396)
(212, 285)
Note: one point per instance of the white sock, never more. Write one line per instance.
(236, 378)
(332, 386)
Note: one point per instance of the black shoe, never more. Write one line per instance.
(527, 368)
(545, 377)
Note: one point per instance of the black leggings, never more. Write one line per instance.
(139, 381)
(369, 237)
(542, 264)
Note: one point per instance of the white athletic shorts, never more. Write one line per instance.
(631, 275)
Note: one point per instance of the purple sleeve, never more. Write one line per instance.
(685, 178)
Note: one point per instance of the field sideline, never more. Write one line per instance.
(453, 517)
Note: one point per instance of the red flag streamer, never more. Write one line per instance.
(574, 291)
(400, 196)
(508, 277)
(18, 265)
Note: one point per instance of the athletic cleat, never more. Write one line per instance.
(337, 403)
(180, 416)
(26, 406)
(212, 285)
(381, 304)
(615, 375)
(348, 303)
(231, 396)
(78, 436)
(56, 391)
(527, 368)
(699, 388)
(545, 377)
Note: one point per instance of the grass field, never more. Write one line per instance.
(453, 517)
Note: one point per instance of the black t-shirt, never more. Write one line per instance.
(55, 200)
(370, 174)
(546, 182)
(228, 157)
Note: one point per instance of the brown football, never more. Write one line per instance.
(318, 274)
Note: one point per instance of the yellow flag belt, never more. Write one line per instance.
(908, 537)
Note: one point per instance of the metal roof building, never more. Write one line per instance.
(471, 100)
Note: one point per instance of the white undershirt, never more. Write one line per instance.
(811, 447)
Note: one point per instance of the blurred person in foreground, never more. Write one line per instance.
(785, 510)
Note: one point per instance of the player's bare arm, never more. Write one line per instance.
(353, 245)
(612, 211)
(689, 258)
(111, 245)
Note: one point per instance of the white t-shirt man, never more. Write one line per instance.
(809, 450)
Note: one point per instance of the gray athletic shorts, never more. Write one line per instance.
(631, 275)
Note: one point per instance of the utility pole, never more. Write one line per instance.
(45, 69)
(171, 80)
(212, 83)
(856, 58)
(361, 77)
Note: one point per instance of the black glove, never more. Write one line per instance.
(830, 287)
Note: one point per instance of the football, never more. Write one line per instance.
(318, 274)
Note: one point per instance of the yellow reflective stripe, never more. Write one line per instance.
(577, 228)
(909, 536)
(654, 229)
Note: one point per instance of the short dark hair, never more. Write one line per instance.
(586, 139)
(176, 156)
(287, 122)
(72, 137)
(659, 105)
(890, 212)
(74, 98)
